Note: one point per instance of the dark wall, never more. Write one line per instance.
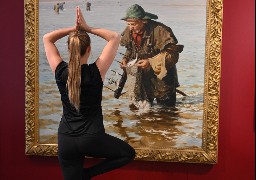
(237, 115)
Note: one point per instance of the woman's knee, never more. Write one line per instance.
(131, 153)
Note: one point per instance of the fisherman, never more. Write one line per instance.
(155, 50)
(56, 8)
(61, 6)
(88, 6)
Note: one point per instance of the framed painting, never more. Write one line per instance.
(187, 133)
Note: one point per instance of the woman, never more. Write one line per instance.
(81, 132)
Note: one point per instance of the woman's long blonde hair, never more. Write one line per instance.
(78, 42)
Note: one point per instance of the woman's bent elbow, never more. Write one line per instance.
(45, 38)
(117, 36)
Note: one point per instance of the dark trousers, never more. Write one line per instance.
(72, 152)
(169, 101)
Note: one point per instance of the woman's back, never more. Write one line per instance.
(88, 120)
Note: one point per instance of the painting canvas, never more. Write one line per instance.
(186, 133)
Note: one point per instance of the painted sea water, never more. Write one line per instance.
(159, 127)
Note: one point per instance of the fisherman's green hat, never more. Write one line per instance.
(137, 12)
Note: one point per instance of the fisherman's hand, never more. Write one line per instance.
(143, 64)
(80, 22)
(123, 64)
(157, 69)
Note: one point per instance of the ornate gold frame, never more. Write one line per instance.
(208, 152)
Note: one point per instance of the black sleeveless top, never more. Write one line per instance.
(89, 119)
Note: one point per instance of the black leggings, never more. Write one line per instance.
(72, 150)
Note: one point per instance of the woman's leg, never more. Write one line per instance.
(116, 152)
(70, 159)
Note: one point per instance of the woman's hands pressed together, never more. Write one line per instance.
(80, 21)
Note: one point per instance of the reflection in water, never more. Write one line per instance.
(160, 127)
(156, 127)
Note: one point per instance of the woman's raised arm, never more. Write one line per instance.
(52, 53)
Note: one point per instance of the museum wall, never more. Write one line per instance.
(236, 150)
